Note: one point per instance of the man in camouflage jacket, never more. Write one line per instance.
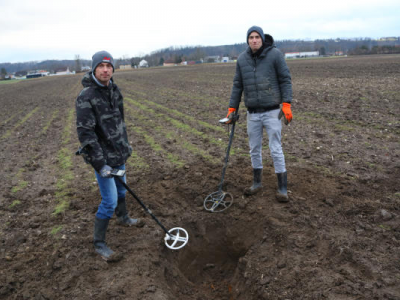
(263, 76)
(104, 144)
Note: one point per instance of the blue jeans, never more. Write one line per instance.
(110, 189)
(256, 123)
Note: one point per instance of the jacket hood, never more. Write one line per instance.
(269, 40)
(87, 79)
(267, 45)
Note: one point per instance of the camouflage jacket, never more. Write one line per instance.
(100, 124)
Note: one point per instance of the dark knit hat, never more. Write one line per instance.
(100, 57)
(256, 29)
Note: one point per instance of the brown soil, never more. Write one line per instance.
(338, 238)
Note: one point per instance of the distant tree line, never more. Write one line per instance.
(364, 50)
(357, 46)
(21, 69)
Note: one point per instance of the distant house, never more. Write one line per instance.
(44, 72)
(212, 59)
(169, 63)
(86, 68)
(125, 67)
(64, 72)
(301, 54)
(143, 64)
(37, 73)
(225, 59)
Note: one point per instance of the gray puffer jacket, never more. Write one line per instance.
(265, 79)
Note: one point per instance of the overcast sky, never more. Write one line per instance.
(50, 29)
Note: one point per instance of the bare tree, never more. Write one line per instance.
(78, 65)
(3, 73)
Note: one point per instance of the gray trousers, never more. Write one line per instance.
(256, 123)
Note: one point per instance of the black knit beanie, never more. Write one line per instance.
(100, 57)
(256, 29)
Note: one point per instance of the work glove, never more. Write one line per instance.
(105, 171)
(230, 111)
(287, 112)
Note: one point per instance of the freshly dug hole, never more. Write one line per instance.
(211, 258)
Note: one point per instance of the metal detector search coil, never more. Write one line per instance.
(218, 201)
(176, 238)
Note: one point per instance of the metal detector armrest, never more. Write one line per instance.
(116, 172)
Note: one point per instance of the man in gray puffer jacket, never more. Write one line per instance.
(264, 77)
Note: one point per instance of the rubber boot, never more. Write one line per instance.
(123, 218)
(100, 246)
(257, 185)
(282, 195)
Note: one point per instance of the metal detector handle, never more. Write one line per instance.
(281, 114)
(117, 173)
(228, 150)
(138, 199)
(234, 118)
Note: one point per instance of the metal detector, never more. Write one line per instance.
(220, 200)
(176, 238)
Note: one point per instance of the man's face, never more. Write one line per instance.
(255, 41)
(103, 73)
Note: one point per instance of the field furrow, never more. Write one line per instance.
(336, 238)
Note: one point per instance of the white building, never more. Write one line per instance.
(143, 64)
(125, 67)
(301, 54)
(65, 72)
(86, 68)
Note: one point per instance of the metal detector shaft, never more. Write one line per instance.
(227, 154)
(141, 203)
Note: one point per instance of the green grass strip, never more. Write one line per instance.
(182, 115)
(174, 159)
(46, 127)
(14, 203)
(9, 81)
(64, 156)
(184, 143)
(21, 183)
(8, 133)
(55, 230)
(66, 135)
(63, 181)
(176, 123)
(136, 162)
(10, 118)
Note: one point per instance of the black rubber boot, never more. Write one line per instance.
(123, 218)
(257, 185)
(100, 246)
(282, 195)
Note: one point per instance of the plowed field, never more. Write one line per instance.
(338, 237)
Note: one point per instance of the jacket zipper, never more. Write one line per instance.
(255, 79)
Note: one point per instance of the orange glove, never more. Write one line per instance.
(287, 111)
(230, 110)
